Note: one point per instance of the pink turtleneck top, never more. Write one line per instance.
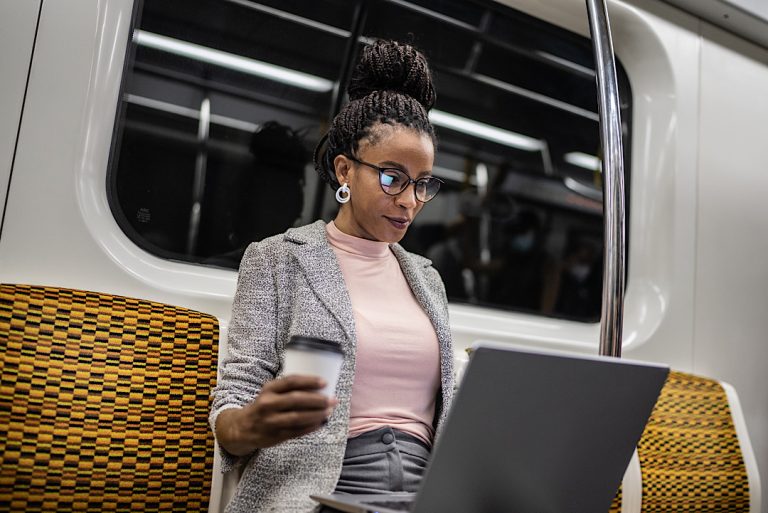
(397, 369)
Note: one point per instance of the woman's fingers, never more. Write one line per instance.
(286, 408)
(294, 382)
(297, 400)
(278, 427)
(294, 393)
(295, 420)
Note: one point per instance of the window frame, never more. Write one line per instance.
(137, 239)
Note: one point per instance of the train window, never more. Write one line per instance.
(223, 101)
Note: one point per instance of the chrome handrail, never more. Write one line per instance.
(614, 215)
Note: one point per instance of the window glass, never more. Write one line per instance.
(224, 100)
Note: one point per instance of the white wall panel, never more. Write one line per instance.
(732, 251)
(745, 18)
(18, 19)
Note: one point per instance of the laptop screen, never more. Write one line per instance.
(538, 431)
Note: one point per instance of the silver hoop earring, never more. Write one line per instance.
(343, 193)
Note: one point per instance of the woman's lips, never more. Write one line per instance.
(401, 223)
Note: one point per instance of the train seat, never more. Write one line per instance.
(694, 455)
(105, 402)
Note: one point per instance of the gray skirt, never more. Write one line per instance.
(384, 460)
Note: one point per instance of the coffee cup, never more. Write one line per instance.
(311, 356)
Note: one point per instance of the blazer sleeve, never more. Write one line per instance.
(251, 358)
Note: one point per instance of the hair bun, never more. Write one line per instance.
(389, 65)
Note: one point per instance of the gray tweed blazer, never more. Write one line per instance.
(291, 284)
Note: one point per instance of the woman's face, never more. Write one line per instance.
(371, 213)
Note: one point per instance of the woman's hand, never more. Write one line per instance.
(285, 408)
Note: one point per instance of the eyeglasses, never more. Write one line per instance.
(393, 181)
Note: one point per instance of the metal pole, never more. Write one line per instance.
(198, 185)
(614, 252)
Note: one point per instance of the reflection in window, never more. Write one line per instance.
(224, 100)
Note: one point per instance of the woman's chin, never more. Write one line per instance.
(393, 231)
(393, 237)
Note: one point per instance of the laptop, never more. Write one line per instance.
(530, 432)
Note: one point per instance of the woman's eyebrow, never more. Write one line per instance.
(392, 163)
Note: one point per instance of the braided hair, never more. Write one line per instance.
(392, 85)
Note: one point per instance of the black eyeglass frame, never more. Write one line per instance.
(410, 181)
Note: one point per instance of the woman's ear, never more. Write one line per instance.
(342, 166)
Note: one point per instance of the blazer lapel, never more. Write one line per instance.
(435, 307)
(321, 269)
(413, 269)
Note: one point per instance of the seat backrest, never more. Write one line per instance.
(690, 455)
(105, 402)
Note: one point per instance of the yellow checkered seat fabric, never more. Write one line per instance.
(690, 455)
(103, 402)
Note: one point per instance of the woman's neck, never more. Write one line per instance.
(355, 245)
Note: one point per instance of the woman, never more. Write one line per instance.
(349, 282)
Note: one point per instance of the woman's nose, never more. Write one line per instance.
(407, 198)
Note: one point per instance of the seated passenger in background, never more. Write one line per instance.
(574, 289)
(269, 192)
(520, 279)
